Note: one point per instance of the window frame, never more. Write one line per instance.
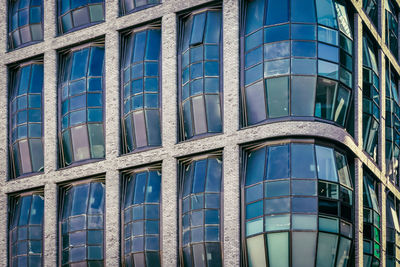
(123, 12)
(247, 148)
(181, 17)
(124, 177)
(182, 163)
(12, 76)
(61, 63)
(61, 190)
(124, 36)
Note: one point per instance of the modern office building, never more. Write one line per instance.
(199, 133)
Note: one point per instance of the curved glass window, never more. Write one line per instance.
(141, 218)
(200, 212)
(26, 137)
(391, 27)
(129, 6)
(372, 222)
(77, 14)
(200, 52)
(392, 233)
(26, 230)
(371, 9)
(141, 89)
(371, 109)
(25, 22)
(81, 98)
(392, 127)
(81, 224)
(299, 65)
(298, 206)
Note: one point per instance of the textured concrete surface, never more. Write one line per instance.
(229, 141)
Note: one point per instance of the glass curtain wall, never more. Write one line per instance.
(25, 121)
(81, 82)
(392, 27)
(371, 107)
(25, 22)
(141, 87)
(141, 218)
(296, 63)
(200, 73)
(392, 232)
(371, 8)
(200, 211)
(298, 205)
(129, 6)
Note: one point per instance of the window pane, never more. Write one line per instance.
(326, 164)
(277, 12)
(278, 162)
(277, 96)
(254, 15)
(326, 252)
(302, 11)
(302, 96)
(302, 161)
(255, 103)
(256, 251)
(303, 248)
(278, 249)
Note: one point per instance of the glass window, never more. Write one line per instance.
(371, 8)
(372, 219)
(140, 89)
(129, 6)
(81, 223)
(25, 22)
(392, 231)
(391, 26)
(299, 198)
(77, 14)
(141, 218)
(314, 39)
(200, 211)
(26, 229)
(81, 97)
(200, 74)
(25, 109)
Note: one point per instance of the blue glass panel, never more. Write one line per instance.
(328, 35)
(196, 70)
(254, 210)
(94, 100)
(302, 11)
(140, 186)
(327, 69)
(255, 103)
(303, 161)
(254, 57)
(140, 43)
(66, 22)
(254, 15)
(35, 115)
(214, 168)
(96, 199)
(303, 32)
(279, 205)
(96, 61)
(276, 50)
(213, 27)
(150, 69)
(35, 15)
(277, 12)
(304, 66)
(326, 13)
(153, 45)
(151, 85)
(79, 63)
(198, 28)
(277, 189)
(254, 193)
(186, 35)
(23, 17)
(211, 68)
(25, 207)
(199, 176)
(276, 33)
(77, 3)
(328, 52)
(255, 166)
(77, 102)
(213, 113)
(80, 198)
(254, 40)
(153, 187)
(304, 204)
(276, 67)
(304, 49)
(95, 115)
(23, 3)
(35, 101)
(253, 74)
(278, 162)
(24, 80)
(153, 127)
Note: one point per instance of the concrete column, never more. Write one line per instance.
(50, 227)
(112, 219)
(358, 80)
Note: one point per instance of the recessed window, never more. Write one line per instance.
(81, 223)
(392, 133)
(371, 109)
(25, 22)
(129, 6)
(392, 231)
(200, 69)
(141, 218)
(297, 205)
(372, 222)
(296, 63)
(200, 211)
(77, 14)
(26, 116)
(391, 26)
(26, 229)
(80, 89)
(141, 87)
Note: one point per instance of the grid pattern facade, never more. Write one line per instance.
(106, 170)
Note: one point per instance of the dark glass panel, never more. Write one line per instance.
(303, 89)
(278, 162)
(277, 96)
(255, 166)
(255, 15)
(255, 103)
(303, 249)
(277, 12)
(302, 161)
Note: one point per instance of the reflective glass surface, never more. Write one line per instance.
(200, 74)
(200, 212)
(81, 99)
(26, 230)
(25, 25)
(298, 206)
(141, 219)
(371, 107)
(82, 224)
(312, 44)
(391, 27)
(76, 14)
(371, 8)
(129, 6)
(392, 232)
(25, 106)
(141, 90)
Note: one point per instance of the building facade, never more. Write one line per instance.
(199, 133)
